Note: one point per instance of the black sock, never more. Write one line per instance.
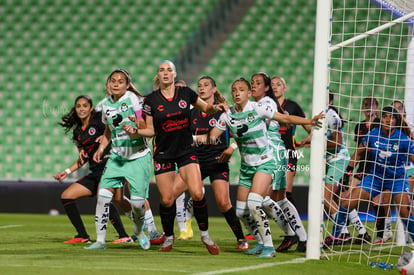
(116, 221)
(201, 213)
(73, 214)
(289, 196)
(167, 215)
(234, 223)
(380, 221)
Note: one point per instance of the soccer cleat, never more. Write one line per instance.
(301, 247)
(124, 240)
(211, 246)
(96, 245)
(189, 229)
(249, 237)
(257, 249)
(378, 240)
(242, 244)
(167, 245)
(156, 238)
(144, 241)
(267, 252)
(331, 241)
(183, 236)
(362, 238)
(346, 238)
(287, 242)
(387, 235)
(78, 240)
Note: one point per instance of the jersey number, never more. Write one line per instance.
(243, 129)
(116, 120)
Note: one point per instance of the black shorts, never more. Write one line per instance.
(167, 165)
(91, 181)
(220, 171)
(293, 161)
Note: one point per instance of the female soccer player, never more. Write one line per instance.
(389, 146)
(167, 112)
(129, 160)
(212, 162)
(87, 127)
(246, 121)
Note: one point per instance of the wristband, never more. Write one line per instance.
(67, 170)
(349, 170)
(234, 146)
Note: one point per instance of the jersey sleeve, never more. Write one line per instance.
(266, 110)
(147, 106)
(192, 96)
(137, 105)
(298, 110)
(221, 123)
(334, 122)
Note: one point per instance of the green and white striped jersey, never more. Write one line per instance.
(115, 114)
(250, 131)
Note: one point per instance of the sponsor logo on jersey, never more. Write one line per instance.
(124, 107)
(212, 122)
(182, 104)
(92, 131)
(160, 108)
(195, 121)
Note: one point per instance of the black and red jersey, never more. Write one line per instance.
(171, 119)
(362, 129)
(86, 138)
(288, 133)
(201, 123)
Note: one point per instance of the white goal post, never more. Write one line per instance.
(321, 87)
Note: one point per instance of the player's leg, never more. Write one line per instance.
(260, 186)
(190, 173)
(68, 199)
(179, 191)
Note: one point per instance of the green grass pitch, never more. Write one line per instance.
(33, 244)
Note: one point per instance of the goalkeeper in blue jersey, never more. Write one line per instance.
(390, 148)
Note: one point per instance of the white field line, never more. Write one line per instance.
(252, 267)
(10, 226)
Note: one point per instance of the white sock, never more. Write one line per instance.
(149, 221)
(254, 203)
(293, 218)
(180, 214)
(138, 209)
(243, 213)
(274, 211)
(356, 222)
(102, 213)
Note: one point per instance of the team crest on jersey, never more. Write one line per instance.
(124, 107)
(212, 122)
(395, 147)
(92, 131)
(147, 108)
(250, 117)
(222, 123)
(182, 104)
(157, 166)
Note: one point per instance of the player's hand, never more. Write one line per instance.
(226, 155)
(60, 176)
(134, 120)
(221, 107)
(83, 156)
(129, 129)
(97, 157)
(316, 120)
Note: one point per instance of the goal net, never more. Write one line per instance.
(371, 65)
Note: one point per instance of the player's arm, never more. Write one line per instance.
(72, 168)
(227, 153)
(106, 137)
(148, 131)
(288, 119)
(209, 108)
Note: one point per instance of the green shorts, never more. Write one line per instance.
(137, 172)
(409, 171)
(335, 170)
(279, 179)
(247, 172)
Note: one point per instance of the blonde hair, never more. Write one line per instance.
(281, 79)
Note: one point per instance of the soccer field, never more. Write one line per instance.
(33, 244)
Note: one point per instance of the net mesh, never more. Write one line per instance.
(374, 66)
